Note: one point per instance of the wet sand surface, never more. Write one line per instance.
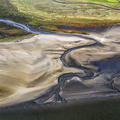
(32, 69)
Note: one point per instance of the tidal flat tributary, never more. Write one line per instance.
(55, 67)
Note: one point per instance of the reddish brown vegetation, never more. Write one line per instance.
(67, 30)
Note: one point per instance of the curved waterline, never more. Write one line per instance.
(88, 4)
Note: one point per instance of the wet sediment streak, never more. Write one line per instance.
(60, 67)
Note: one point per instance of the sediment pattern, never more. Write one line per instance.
(56, 67)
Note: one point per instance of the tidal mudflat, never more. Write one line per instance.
(52, 68)
(32, 65)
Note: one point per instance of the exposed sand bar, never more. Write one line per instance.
(29, 67)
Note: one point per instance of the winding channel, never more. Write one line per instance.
(55, 90)
(37, 31)
(88, 4)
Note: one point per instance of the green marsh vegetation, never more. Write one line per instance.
(49, 10)
(49, 13)
(8, 33)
